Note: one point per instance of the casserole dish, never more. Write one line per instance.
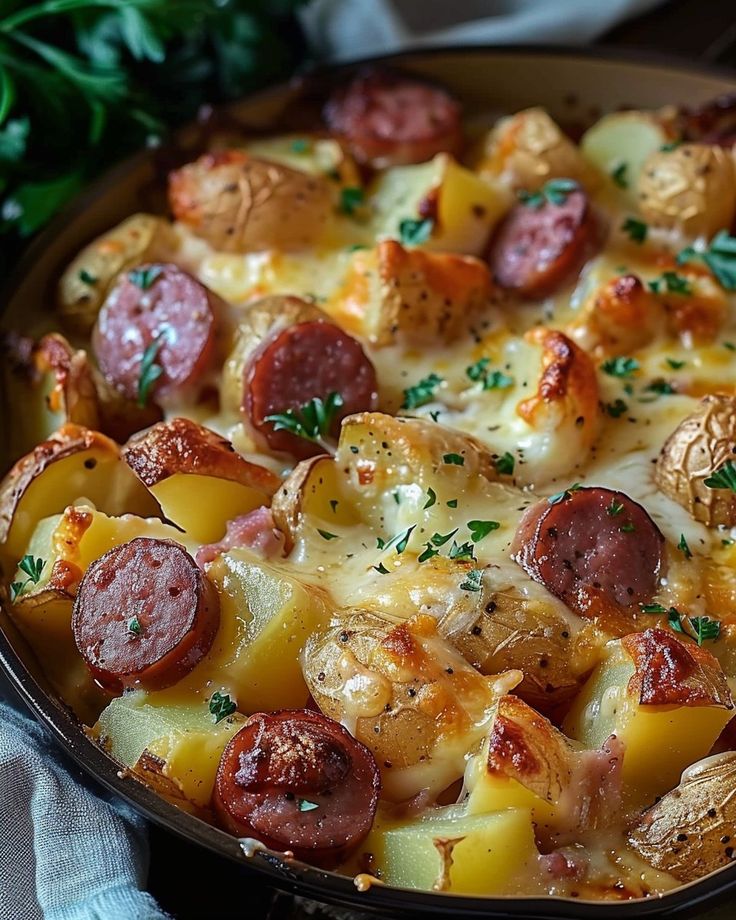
(572, 87)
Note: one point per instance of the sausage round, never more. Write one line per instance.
(302, 362)
(144, 615)
(296, 780)
(162, 308)
(388, 119)
(592, 540)
(536, 249)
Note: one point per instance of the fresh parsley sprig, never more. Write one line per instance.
(221, 706)
(720, 257)
(554, 191)
(150, 370)
(421, 393)
(313, 421)
(32, 566)
(723, 478)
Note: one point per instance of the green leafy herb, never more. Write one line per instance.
(672, 283)
(462, 552)
(453, 459)
(333, 504)
(472, 581)
(435, 414)
(150, 371)
(628, 527)
(413, 232)
(490, 380)
(351, 199)
(421, 393)
(555, 191)
(306, 805)
(403, 540)
(301, 145)
(723, 478)
(661, 387)
(720, 257)
(313, 421)
(730, 346)
(636, 229)
(615, 508)
(675, 365)
(381, 569)
(705, 629)
(683, 547)
(674, 619)
(504, 465)
(427, 553)
(32, 567)
(619, 175)
(653, 608)
(134, 626)
(620, 367)
(431, 498)
(87, 278)
(561, 496)
(617, 408)
(439, 539)
(144, 278)
(326, 535)
(452, 503)
(480, 529)
(221, 706)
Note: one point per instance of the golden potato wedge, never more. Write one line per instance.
(72, 464)
(691, 188)
(197, 477)
(403, 691)
(691, 830)
(85, 283)
(239, 203)
(309, 153)
(696, 449)
(417, 297)
(461, 209)
(655, 693)
(526, 149)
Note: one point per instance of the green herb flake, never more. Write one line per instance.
(453, 460)
(472, 581)
(653, 608)
(221, 706)
(684, 548)
(462, 552)
(313, 421)
(150, 371)
(452, 503)
(561, 496)
(421, 393)
(636, 229)
(431, 498)
(439, 539)
(301, 145)
(555, 192)
(87, 278)
(427, 553)
(351, 199)
(660, 386)
(145, 277)
(706, 629)
(672, 283)
(619, 175)
(134, 626)
(723, 478)
(504, 465)
(615, 508)
(480, 529)
(628, 527)
(617, 408)
(490, 380)
(720, 257)
(674, 620)
(380, 568)
(32, 567)
(333, 504)
(620, 367)
(675, 365)
(414, 232)
(326, 535)
(306, 805)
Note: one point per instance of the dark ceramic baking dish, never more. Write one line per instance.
(575, 87)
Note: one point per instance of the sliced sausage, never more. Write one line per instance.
(388, 119)
(296, 780)
(161, 313)
(302, 362)
(591, 541)
(536, 249)
(144, 615)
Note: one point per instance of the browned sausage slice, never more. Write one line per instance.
(591, 538)
(536, 249)
(161, 312)
(388, 119)
(144, 615)
(296, 780)
(302, 362)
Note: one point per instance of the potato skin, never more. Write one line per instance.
(140, 238)
(691, 188)
(691, 830)
(239, 203)
(699, 445)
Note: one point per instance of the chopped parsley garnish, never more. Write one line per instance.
(150, 371)
(619, 175)
(221, 706)
(435, 414)
(326, 535)
(452, 503)
(301, 145)
(684, 548)
(720, 257)
(431, 498)
(490, 380)
(674, 619)
(86, 277)
(413, 231)
(453, 460)
(636, 229)
(653, 608)
(628, 527)
(31, 566)
(134, 626)
(561, 496)
(462, 553)
(333, 504)
(396, 495)
(672, 282)
(701, 629)
(144, 277)
(504, 464)
(421, 393)
(661, 387)
(723, 478)
(404, 539)
(617, 408)
(730, 346)
(480, 529)
(312, 421)
(351, 198)
(381, 569)
(472, 581)
(615, 508)
(439, 539)
(555, 191)
(427, 553)
(675, 365)
(620, 367)
(306, 805)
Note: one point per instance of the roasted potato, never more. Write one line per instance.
(416, 297)
(74, 462)
(85, 283)
(197, 477)
(622, 316)
(696, 449)
(526, 149)
(691, 830)
(691, 188)
(318, 156)
(239, 203)
(406, 693)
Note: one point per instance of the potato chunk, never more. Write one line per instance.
(656, 694)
